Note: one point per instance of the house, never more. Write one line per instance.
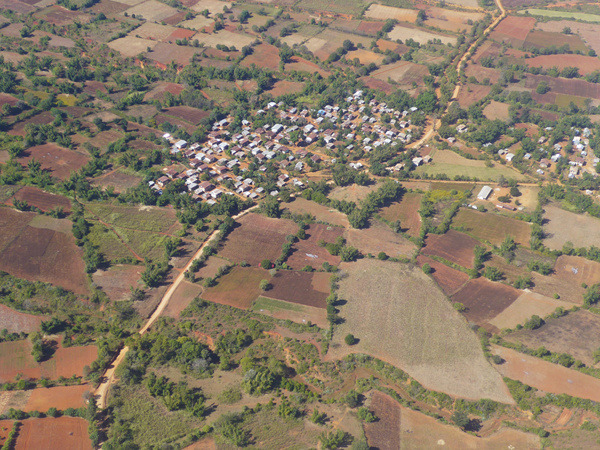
(484, 193)
(180, 144)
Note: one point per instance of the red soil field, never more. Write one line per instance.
(15, 358)
(577, 270)
(38, 248)
(386, 431)
(66, 433)
(118, 280)
(16, 321)
(472, 93)
(481, 73)
(239, 288)
(370, 28)
(162, 118)
(284, 87)
(305, 288)
(165, 53)
(182, 297)
(514, 27)
(43, 118)
(257, 238)
(5, 427)
(380, 85)
(175, 18)
(407, 211)
(264, 55)
(453, 246)
(310, 246)
(162, 88)
(544, 39)
(180, 33)
(43, 200)
(58, 15)
(485, 299)
(546, 376)
(59, 397)
(120, 181)
(60, 162)
(447, 278)
(302, 65)
(564, 86)
(90, 87)
(192, 115)
(585, 64)
(8, 99)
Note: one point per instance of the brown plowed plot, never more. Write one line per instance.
(497, 111)
(161, 88)
(380, 238)
(8, 99)
(40, 248)
(582, 230)
(577, 270)
(364, 56)
(179, 123)
(577, 333)
(527, 305)
(120, 181)
(15, 358)
(305, 288)
(187, 113)
(308, 252)
(43, 200)
(182, 297)
(447, 278)
(551, 285)
(406, 211)
(546, 376)
(302, 65)
(285, 87)
(257, 238)
(544, 39)
(320, 212)
(403, 72)
(165, 53)
(238, 288)
(263, 55)
(380, 85)
(16, 321)
(419, 431)
(564, 86)
(59, 397)
(452, 246)
(485, 299)
(211, 266)
(472, 93)
(295, 312)
(43, 118)
(386, 431)
(60, 162)
(585, 64)
(66, 433)
(513, 27)
(481, 73)
(382, 12)
(370, 28)
(400, 316)
(118, 280)
(493, 228)
(589, 32)
(5, 429)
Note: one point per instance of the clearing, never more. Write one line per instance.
(66, 433)
(380, 238)
(525, 306)
(452, 246)
(406, 211)
(238, 288)
(582, 230)
(493, 228)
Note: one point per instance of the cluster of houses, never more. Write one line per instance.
(217, 166)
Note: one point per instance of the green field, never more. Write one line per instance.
(480, 172)
(108, 242)
(272, 305)
(354, 7)
(492, 227)
(562, 14)
(146, 218)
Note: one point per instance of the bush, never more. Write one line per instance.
(534, 323)
(264, 285)
(366, 415)
(350, 339)
(426, 268)
(265, 264)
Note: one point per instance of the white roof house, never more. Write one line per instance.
(484, 193)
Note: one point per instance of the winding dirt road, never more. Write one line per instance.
(108, 378)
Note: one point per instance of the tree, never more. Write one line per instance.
(265, 264)
(335, 439)
(264, 285)
(534, 323)
(493, 273)
(364, 414)
(426, 268)
(270, 207)
(460, 419)
(350, 339)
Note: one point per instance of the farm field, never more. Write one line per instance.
(42, 200)
(68, 433)
(118, 180)
(17, 321)
(383, 12)
(577, 270)
(304, 288)
(563, 226)
(60, 162)
(585, 64)
(492, 228)
(320, 212)
(118, 280)
(129, 46)
(406, 211)
(41, 248)
(380, 238)
(513, 28)
(587, 31)
(485, 299)
(549, 285)
(497, 111)
(546, 376)
(145, 218)
(15, 358)
(577, 334)
(419, 35)
(472, 94)
(238, 288)
(290, 311)
(450, 163)
(308, 252)
(401, 427)
(448, 279)
(563, 14)
(59, 397)
(185, 293)
(403, 72)
(452, 246)
(225, 37)
(257, 238)
(352, 193)
(400, 316)
(525, 306)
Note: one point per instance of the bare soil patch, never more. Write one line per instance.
(485, 299)
(452, 246)
(546, 376)
(43, 200)
(187, 113)
(472, 93)
(320, 212)
(307, 251)
(577, 333)
(305, 288)
(120, 181)
(185, 293)
(528, 304)
(380, 238)
(582, 230)
(264, 55)
(60, 162)
(448, 279)
(257, 238)
(67, 433)
(59, 397)
(16, 321)
(352, 193)
(497, 111)
(577, 270)
(295, 312)
(118, 281)
(406, 211)
(238, 288)
(400, 316)
(513, 28)
(550, 285)
(384, 433)
(585, 64)
(285, 87)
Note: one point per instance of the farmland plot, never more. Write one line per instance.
(406, 211)
(452, 246)
(493, 228)
(304, 288)
(59, 161)
(400, 316)
(589, 32)
(582, 230)
(17, 322)
(383, 12)
(448, 279)
(66, 433)
(152, 10)
(380, 238)
(585, 64)
(225, 37)
(131, 46)
(308, 252)
(525, 306)
(419, 35)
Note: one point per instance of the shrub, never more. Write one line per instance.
(534, 323)
(350, 339)
(426, 268)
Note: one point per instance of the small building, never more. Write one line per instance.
(484, 193)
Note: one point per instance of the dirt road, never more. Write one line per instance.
(108, 378)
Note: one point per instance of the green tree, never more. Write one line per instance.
(350, 339)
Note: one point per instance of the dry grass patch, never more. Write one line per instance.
(400, 316)
(493, 228)
(383, 12)
(525, 306)
(582, 230)
(419, 35)
(131, 46)
(320, 212)
(152, 10)
(380, 238)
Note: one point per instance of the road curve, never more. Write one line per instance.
(108, 378)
